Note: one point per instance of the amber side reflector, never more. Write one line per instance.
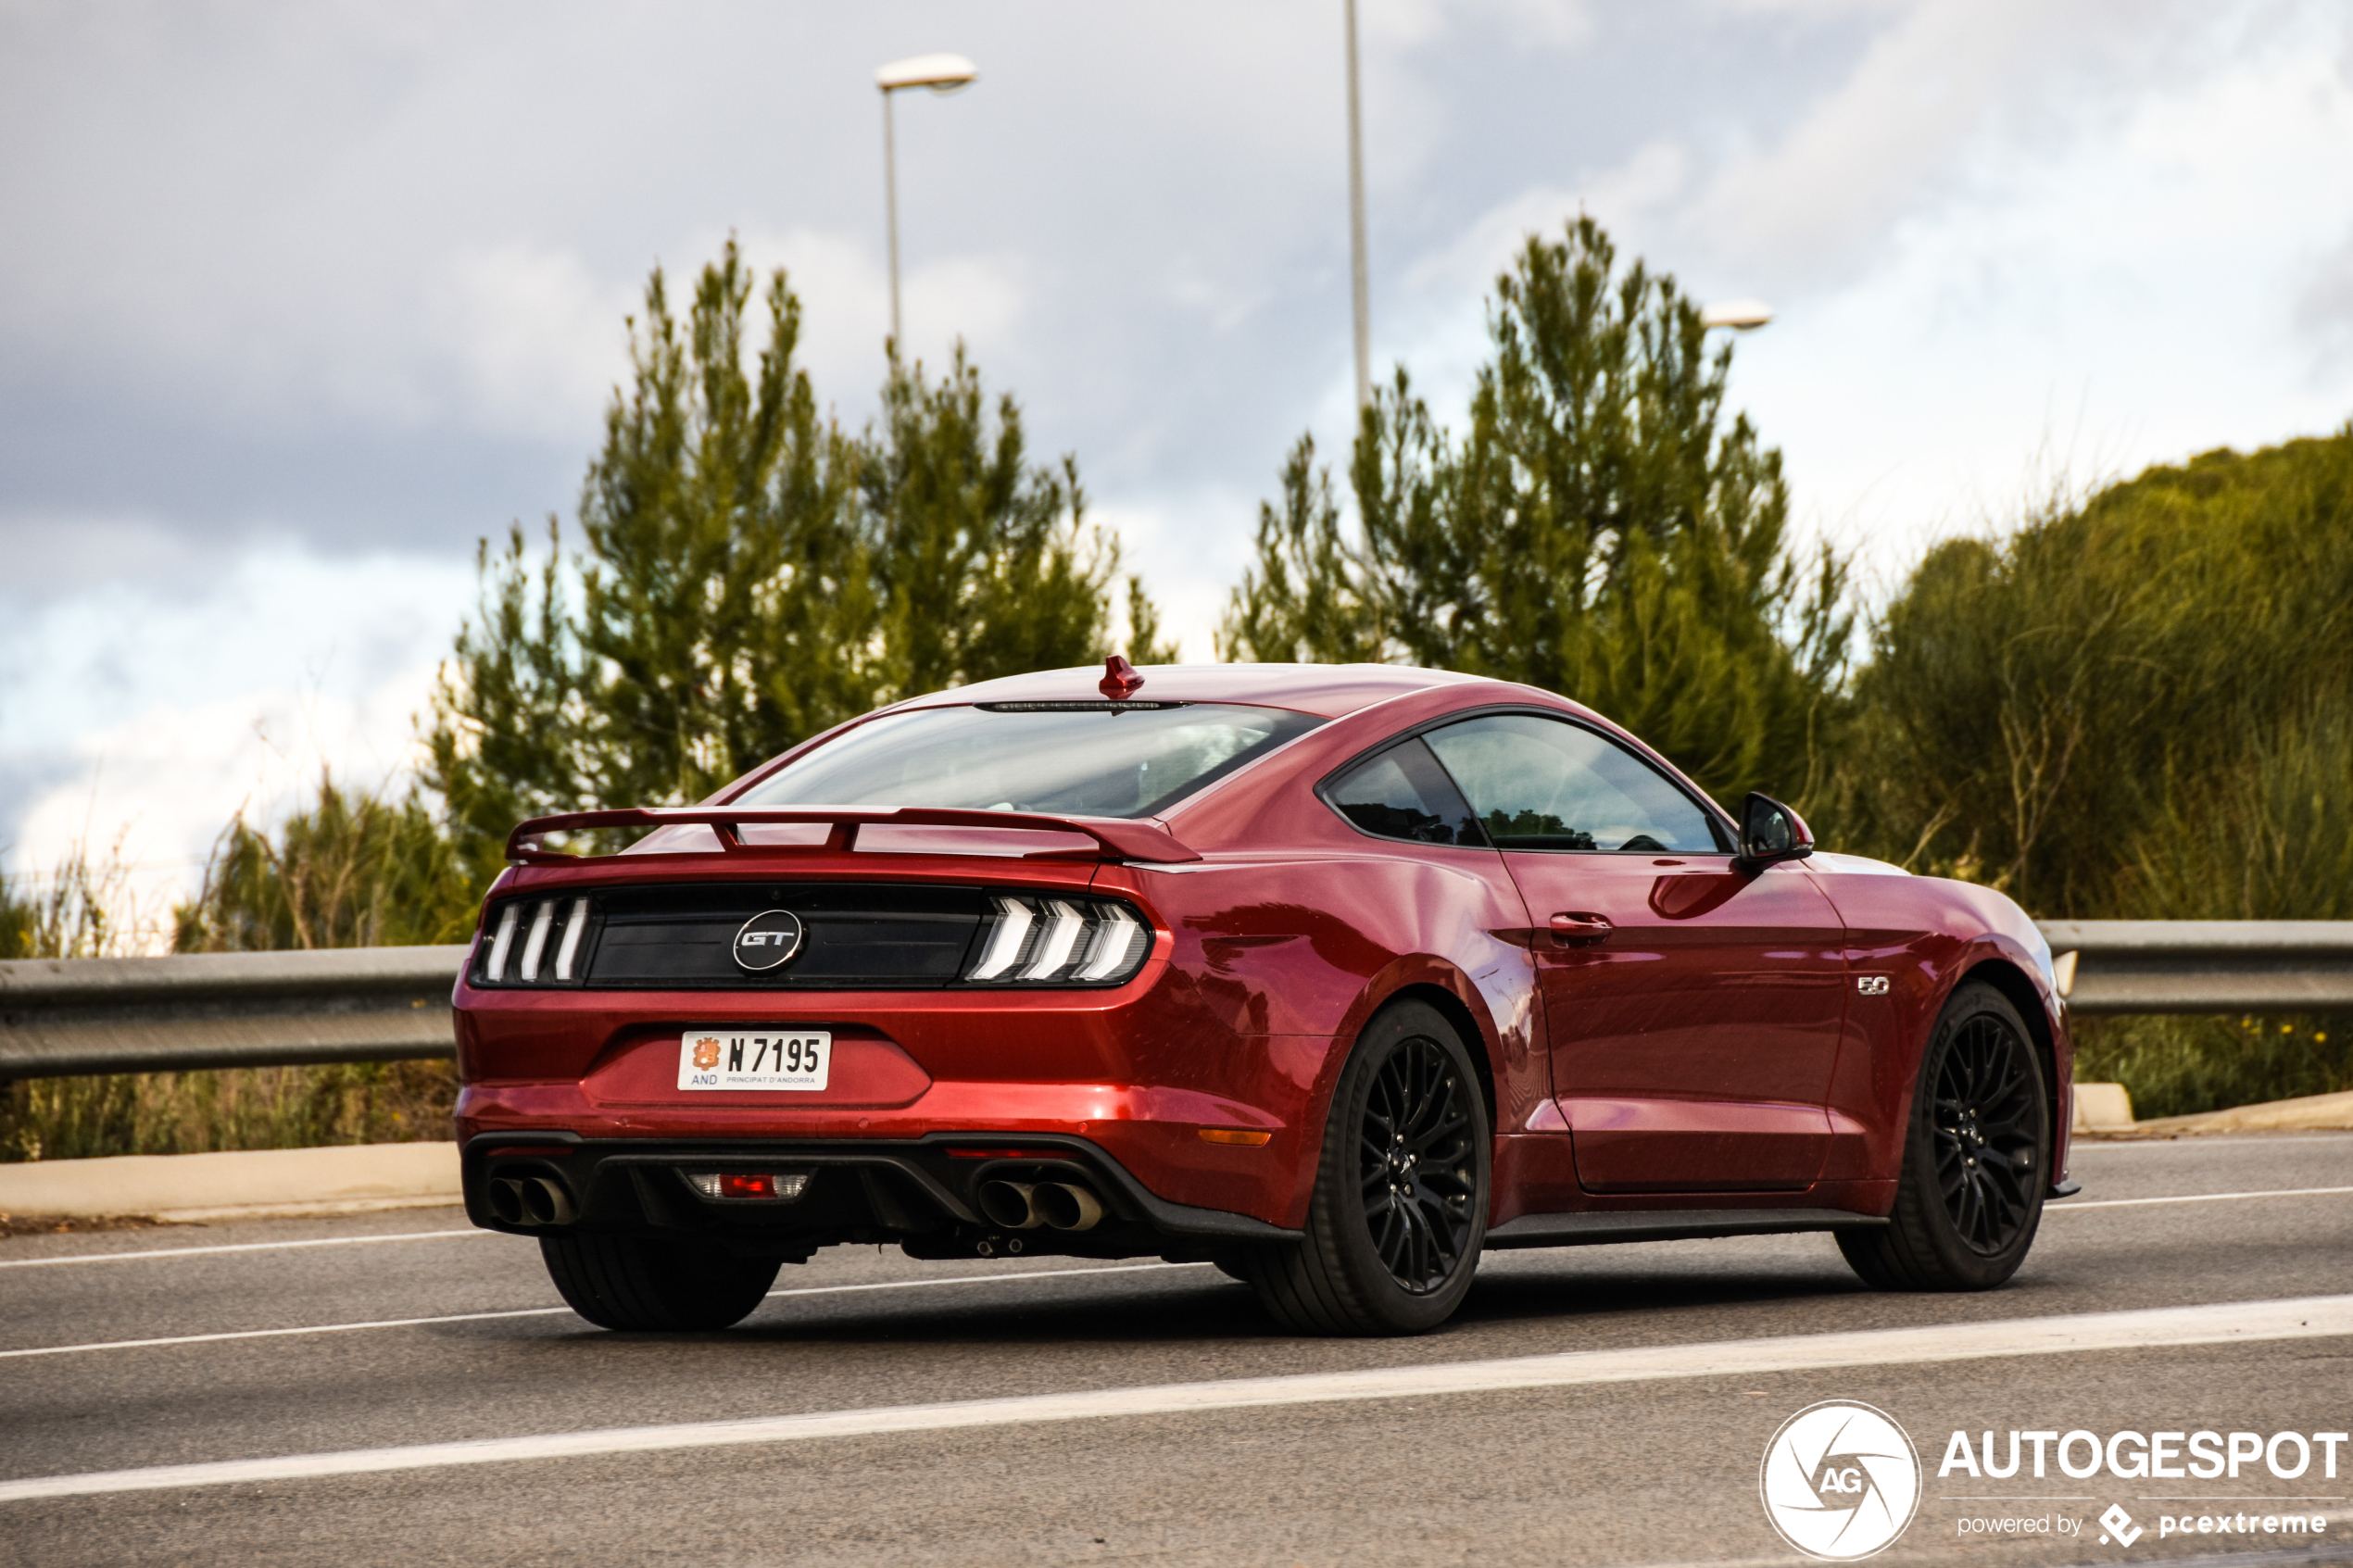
(1234, 1135)
(1007, 1154)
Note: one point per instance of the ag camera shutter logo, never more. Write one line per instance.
(1840, 1481)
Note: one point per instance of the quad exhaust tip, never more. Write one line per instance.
(1009, 1204)
(530, 1200)
(1066, 1206)
(1020, 1206)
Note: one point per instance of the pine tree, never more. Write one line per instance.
(1600, 530)
(749, 575)
(983, 562)
(724, 602)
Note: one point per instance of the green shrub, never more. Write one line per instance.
(2136, 707)
(2178, 1066)
(250, 1107)
(2039, 711)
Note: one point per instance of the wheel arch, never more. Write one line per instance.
(1419, 978)
(2018, 988)
(1457, 1012)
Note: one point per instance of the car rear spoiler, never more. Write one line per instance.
(1121, 838)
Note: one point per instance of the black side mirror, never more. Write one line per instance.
(1770, 831)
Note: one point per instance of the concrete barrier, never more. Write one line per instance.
(271, 1181)
(2102, 1107)
(2106, 1108)
(2311, 1114)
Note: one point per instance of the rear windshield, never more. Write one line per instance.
(1090, 760)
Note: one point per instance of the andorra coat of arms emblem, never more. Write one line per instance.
(706, 1054)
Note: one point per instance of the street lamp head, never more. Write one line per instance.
(941, 73)
(1741, 314)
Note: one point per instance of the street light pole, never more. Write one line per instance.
(891, 210)
(1359, 286)
(941, 73)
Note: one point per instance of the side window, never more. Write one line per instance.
(1540, 784)
(1403, 793)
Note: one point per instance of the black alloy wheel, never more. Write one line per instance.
(1976, 1157)
(1399, 1212)
(1415, 1169)
(1988, 1121)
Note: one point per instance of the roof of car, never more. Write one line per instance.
(1330, 690)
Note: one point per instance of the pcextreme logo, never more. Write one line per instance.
(1840, 1481)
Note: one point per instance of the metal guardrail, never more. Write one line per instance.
(195, 1011)
(189, 1011)
(2204, 966)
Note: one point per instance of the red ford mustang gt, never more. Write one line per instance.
(1334, 976)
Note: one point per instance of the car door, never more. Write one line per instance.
(1691, 1012)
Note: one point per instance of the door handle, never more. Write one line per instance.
(1580, 926)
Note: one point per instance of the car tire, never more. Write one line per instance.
(654, 1284)
(1976, 1157)
(1398, 1261)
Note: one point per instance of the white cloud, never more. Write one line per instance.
(1946, 80)
(155, 791)
(2124, 299)
(1190, 556)
(537, 335)
(160, 711)
(1548, 24)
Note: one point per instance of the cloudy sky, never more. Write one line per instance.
(299, 300)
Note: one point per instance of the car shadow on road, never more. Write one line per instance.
(1502, 1298)
(1201, 1307)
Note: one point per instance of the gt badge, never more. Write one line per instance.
(767, 940)
(1871, 984)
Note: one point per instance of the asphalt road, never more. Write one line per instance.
(1660, 1466)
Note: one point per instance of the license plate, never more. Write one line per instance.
(755, 1058)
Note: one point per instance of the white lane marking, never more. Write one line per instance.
(552, 1311)
(2063, 1205)
(2229, 1321)
(235, 1246)
(275, 1333)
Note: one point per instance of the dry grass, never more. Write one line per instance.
(352, 870)
(250, 1107)
(59, 1224)
(2180, 1066)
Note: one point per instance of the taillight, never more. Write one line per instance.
(757, 1186)
(1038, 939)
(537, 941)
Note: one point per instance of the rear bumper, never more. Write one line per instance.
(1136, 1074)
(920, 1193)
